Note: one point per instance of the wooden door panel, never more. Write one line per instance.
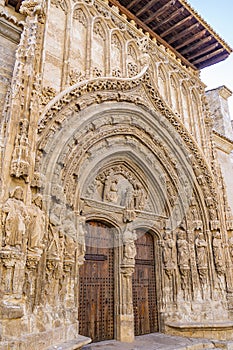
(96, 281)
(144, 287)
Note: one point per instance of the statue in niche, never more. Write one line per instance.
(168, 254)
(129, 248)
(169, 263)
(20, 158)
(217, 246)
(36, 228)
(111, 189)
(183, 259)
(139, 197)
(201, 256)
(218, 253)
(201, 251)
(15, 220)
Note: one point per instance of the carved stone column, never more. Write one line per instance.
(126, 314)
(126, 317)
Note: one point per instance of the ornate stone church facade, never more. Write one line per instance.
(116, 207)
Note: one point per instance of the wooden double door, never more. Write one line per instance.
(144, 286)
(96, 284)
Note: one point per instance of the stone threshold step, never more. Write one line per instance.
(73, 344)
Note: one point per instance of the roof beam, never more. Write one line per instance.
(193, 38)
(132, 3)
(177, 25)
(184, 32)
(170, 18)
(202, 51)
(197, 45)
(145, 8)
(207, 57)
(160, 12)
(214, 61)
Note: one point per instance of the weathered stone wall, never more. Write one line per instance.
(10, 32)
(222, 124)
(219, 110)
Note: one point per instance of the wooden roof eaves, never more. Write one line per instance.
(131, 16)
(186, 4)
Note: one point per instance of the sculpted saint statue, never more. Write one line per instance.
(111, 189)
(129, 251)
(168, 251)
(183, 251)
(218, 252)
(15, 219)
(201, 251)
(36, 227)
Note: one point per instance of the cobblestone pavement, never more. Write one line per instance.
(155, 341)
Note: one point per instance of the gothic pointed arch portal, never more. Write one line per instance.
(110, 150)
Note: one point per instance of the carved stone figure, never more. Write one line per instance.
(217, 246)
(129, 211)
(219, 261)
(169, 264)
(183, 250)
(129, 248)
(110, 189)
(15, 220)
(36, 228)
(183, 259)
(201, 251)
(20, 158)
(168, 245)
(139, 197)
(202, 259)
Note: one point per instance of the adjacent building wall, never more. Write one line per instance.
(222, 124)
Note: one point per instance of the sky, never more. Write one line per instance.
(219, 15)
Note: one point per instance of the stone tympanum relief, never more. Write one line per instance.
(119, 186)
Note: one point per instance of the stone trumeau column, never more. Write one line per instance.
(126, 315)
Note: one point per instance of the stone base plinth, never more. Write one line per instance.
(126, 328)
(210, 330)
(64, 338)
